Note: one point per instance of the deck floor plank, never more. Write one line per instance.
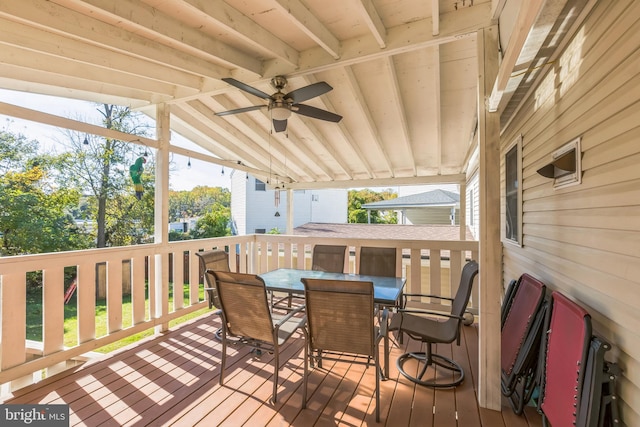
(173, 380)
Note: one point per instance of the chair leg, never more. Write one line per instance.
(305, 375)
(431, 360)
(276, 361)
(224, 355)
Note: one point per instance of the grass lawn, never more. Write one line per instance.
(34, 319)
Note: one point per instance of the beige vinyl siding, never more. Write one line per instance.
(431, 215)
(584, 240)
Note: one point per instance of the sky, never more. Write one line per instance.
(181, 177)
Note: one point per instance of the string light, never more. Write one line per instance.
(189, 163)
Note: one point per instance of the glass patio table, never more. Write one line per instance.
(386, 290)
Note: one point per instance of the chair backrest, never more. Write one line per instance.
(525, 303)
(328, 258)
(244, 304)
(340, 315)
(216, 260)
(565, 356)
(377, 261)
(463, 294)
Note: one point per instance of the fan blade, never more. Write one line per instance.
(316, 113)
(308, 92)
(279, 125)
(246, 88)
(241, 110)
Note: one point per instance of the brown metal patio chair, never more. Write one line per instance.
(328, 258)
(378, 261)
(247, 316)
(341, 322)
(213, 260)
(421, 325)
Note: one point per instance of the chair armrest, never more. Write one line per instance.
(429, 312)
(289, 316)
(405, 295)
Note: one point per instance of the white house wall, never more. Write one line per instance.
(473, 205)
(584, 240)
(239, 200)
(256, 210)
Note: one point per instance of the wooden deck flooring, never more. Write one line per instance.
(173, 380)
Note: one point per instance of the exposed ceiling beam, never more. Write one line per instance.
(97, 33)
(361, 103)
(381, 182)
(401, 39)
(373, 21)
(435, 17)
(238, 139)
(246, 29)
(522, 32)
(402, 116)
(142, 19)
(222, 143)
(328, 145)
(302, 18)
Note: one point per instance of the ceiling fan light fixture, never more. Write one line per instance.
(280, 112)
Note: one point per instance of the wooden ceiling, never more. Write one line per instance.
(404, 77)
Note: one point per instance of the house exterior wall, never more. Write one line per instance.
(584, 240)
(253, 210)
(430, 215)
(473, 205)
(238, 200)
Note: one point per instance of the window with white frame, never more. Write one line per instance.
(513, 192)
(260, 186)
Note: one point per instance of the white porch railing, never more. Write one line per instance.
(430, 267)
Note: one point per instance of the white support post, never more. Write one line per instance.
(161, 223)
(490, 254)
(289, 211)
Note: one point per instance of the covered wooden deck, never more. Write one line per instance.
(173, 380)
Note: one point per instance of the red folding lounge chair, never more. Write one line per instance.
(521, 336)
(565, 355)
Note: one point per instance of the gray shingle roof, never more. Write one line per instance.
(382, 231)
(428, 199)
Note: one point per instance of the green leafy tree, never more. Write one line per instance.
(196, 202)
(36, 203)
(357, 214)
(214, 223)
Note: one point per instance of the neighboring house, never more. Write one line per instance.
(382, 231)
(431, 207)
(257, 209)
(183, 226)
(472, 207)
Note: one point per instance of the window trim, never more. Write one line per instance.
(517, 144)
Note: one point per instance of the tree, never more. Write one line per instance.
(36, 204)
(198, 201)
(101, 167)
(357, 214)
(214, 223)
